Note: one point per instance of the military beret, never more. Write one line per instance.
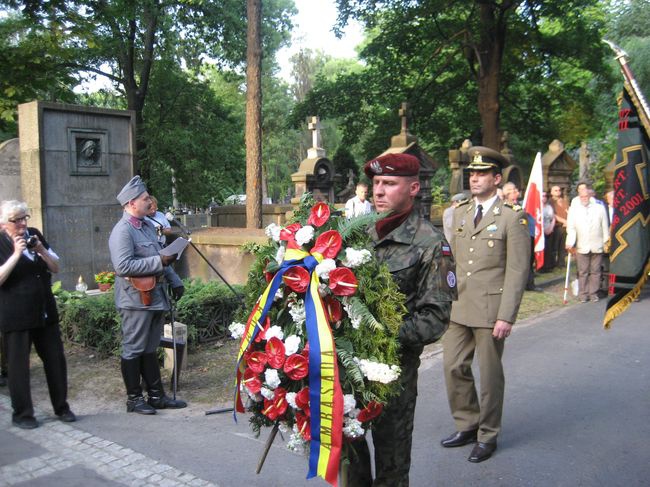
(131, 190)
(458, 197)
(392, 165)
(484, 159)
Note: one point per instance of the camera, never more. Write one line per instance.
(32, 241)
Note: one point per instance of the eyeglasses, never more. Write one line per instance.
(20, 219)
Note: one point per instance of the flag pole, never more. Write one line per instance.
(566, 279)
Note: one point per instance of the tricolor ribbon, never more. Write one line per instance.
(326, 397)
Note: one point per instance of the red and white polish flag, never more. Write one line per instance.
(533, 206)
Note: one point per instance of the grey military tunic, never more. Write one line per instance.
(134, 250)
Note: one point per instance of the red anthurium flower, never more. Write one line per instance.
(288, 234)
(328, 244)
(261, 335)
(370, 412)
(252, 381)
(297, 279)
(305, 351)
(296, 367)
(276, 407)
(343, 281)
(302, 400)
(334, 309)
(320, 212)
(275, 353)
(304, 425)
(256, 362)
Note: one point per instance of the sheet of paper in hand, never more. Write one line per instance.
(176, 247)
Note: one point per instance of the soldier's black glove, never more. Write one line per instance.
(178, 292)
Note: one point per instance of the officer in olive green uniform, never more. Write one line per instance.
(420, 260)
(491, 246)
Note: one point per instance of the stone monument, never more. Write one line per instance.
(10, 170)
(315, 173)
(407, 143)
(73, 161)
(557, 167)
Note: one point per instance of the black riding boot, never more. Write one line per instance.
(135, 403)
(151, 375)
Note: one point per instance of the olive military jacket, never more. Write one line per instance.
(134, 248)
(420, 261)
(492, 263)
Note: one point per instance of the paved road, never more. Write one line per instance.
(577, 410)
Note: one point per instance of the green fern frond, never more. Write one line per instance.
(367, 319)
(352, 228)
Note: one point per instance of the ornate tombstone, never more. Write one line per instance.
(406, 143)
(315, 173)
(557, 166)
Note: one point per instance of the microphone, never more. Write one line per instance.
(170, 218)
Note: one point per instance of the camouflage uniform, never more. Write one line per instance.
(420, 260)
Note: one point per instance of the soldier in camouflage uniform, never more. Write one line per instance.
(420, 260)
(491, 245)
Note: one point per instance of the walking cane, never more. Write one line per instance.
(566, 279)
(172, 306)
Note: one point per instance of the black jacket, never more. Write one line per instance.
(26, 299)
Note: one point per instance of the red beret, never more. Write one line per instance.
(392, 165)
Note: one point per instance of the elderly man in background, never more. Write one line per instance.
(448, 215)
(587, 236)
(134, 249)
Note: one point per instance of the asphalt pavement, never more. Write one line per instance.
(576, 414)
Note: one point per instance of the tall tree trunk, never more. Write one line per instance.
(490, 54)
(254, 115)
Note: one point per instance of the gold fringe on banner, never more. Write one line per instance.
(626, 300)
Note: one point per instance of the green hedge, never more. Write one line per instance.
(206, 308)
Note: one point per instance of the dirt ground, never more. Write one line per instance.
(95, 383)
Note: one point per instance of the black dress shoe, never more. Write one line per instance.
(137, 404)
(459, 438)
(166, 402)
(25, 423)
(481, 452)
(67, 417)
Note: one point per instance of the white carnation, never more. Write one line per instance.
(304, 235)
(274, 331)
(291, 399)
(236, 329)
(271, 378)
(283, 427)
(273, 231)
(267, 393)
(355, 258)
(323, 269)
(352, 428)
(378, 372)
(349, 403)
(278, 294)
(291, 344)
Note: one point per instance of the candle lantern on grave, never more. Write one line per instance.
(316, 173)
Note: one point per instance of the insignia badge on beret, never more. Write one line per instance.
(375, 166)
(478, 158)
(451, 279)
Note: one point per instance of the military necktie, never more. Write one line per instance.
(479, 215)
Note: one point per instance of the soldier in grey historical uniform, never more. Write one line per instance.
(491, 245)
(134, 249)
(420, 261)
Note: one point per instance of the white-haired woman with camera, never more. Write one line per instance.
(28, 314)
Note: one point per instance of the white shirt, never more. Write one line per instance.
(587, 227)
(486, 205)
(356, 207)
